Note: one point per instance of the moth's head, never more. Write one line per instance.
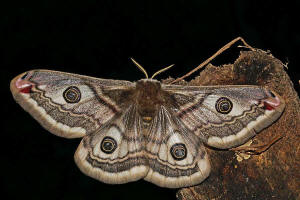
(148, 86)
(22, 83)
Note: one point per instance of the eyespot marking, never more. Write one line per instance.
(178, 151)
(23, 84)
(108, 145)
(224, 105)
(272, 94)
(24, 76)
(72, 94)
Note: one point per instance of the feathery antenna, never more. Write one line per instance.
(140, 67)
(144, 71)
(162, 70)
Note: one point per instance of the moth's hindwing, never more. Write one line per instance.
(177, 157)
(115, 153)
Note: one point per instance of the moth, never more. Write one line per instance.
(145, 129)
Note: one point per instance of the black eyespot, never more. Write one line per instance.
(223, 105)
(24, 76)
(72, 94)
(178, 151)
(108, 145)
(272, 94)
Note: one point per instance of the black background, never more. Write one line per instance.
(96, 38)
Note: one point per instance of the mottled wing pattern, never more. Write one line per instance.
(115, 153)
(145, 129)
(176, 156)
(67, 105)
(143, 153)
(225, 116)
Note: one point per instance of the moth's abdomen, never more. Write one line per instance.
(148, 98)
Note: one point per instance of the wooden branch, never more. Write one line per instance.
(274, 174)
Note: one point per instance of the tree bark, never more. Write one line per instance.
(274, 174)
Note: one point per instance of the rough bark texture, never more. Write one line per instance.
(274, 174)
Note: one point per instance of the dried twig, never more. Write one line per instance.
(228, 45)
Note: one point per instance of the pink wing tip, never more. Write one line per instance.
(272, 102)
(23, 84)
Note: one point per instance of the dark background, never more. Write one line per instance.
(96, 38)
